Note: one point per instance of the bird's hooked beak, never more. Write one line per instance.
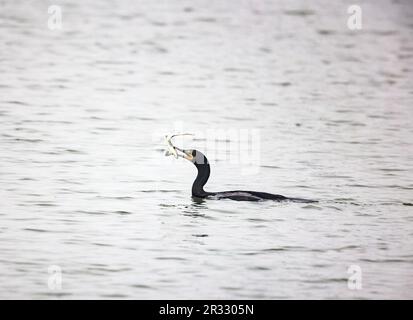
(175, 151)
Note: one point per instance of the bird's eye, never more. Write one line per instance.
(194, 153)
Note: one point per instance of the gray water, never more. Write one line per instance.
(85, 186)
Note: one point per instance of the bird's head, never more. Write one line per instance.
(195, 156)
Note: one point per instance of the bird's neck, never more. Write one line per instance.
(200, 180)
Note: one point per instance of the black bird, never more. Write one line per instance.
(201, 163)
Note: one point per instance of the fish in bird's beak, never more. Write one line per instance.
(172, 150)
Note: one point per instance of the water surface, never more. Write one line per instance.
(85, 185)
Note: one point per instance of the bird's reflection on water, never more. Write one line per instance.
(197, 209)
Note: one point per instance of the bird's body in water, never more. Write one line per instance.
(201, 163)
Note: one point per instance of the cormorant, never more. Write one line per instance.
(201, 163)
